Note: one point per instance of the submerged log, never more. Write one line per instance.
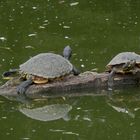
(70, 84)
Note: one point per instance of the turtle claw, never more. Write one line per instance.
(21, 90)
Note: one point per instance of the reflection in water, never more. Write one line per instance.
(127, 104)
(48, 113)
(123, 110)
(63, 132)
(88, 114)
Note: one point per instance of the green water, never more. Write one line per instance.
(96, 31)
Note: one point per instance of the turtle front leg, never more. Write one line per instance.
(111, 79)
(21, 89)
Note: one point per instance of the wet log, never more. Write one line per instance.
(72, 85)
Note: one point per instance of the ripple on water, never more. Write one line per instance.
(33, 34)
(2, 38)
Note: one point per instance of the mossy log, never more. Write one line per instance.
(72, 84)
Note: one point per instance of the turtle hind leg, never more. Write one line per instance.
(23, 86)
(111, 79)
(75, 71)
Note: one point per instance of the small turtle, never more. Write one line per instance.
(42, 68)
(125, 62)
(48, 112)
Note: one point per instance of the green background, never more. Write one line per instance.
(96, 30)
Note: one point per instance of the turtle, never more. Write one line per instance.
(43, 68)
(123, 63)
(48, 112)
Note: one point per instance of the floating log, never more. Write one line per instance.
(71, 84)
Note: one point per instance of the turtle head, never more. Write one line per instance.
(67, 52)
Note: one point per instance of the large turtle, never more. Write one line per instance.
(42, 68)
(125, 62)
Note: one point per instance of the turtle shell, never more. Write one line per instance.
(122, 58)
(47, 65)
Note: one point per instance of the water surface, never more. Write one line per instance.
(96, 31)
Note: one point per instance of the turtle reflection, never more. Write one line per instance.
(127, 104)
(48, 112)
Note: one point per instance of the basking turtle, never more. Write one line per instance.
(48, 112)
(44, 67)
(125, 62)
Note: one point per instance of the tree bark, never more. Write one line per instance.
(72, 85)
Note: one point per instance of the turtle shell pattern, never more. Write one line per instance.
(47, 65)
